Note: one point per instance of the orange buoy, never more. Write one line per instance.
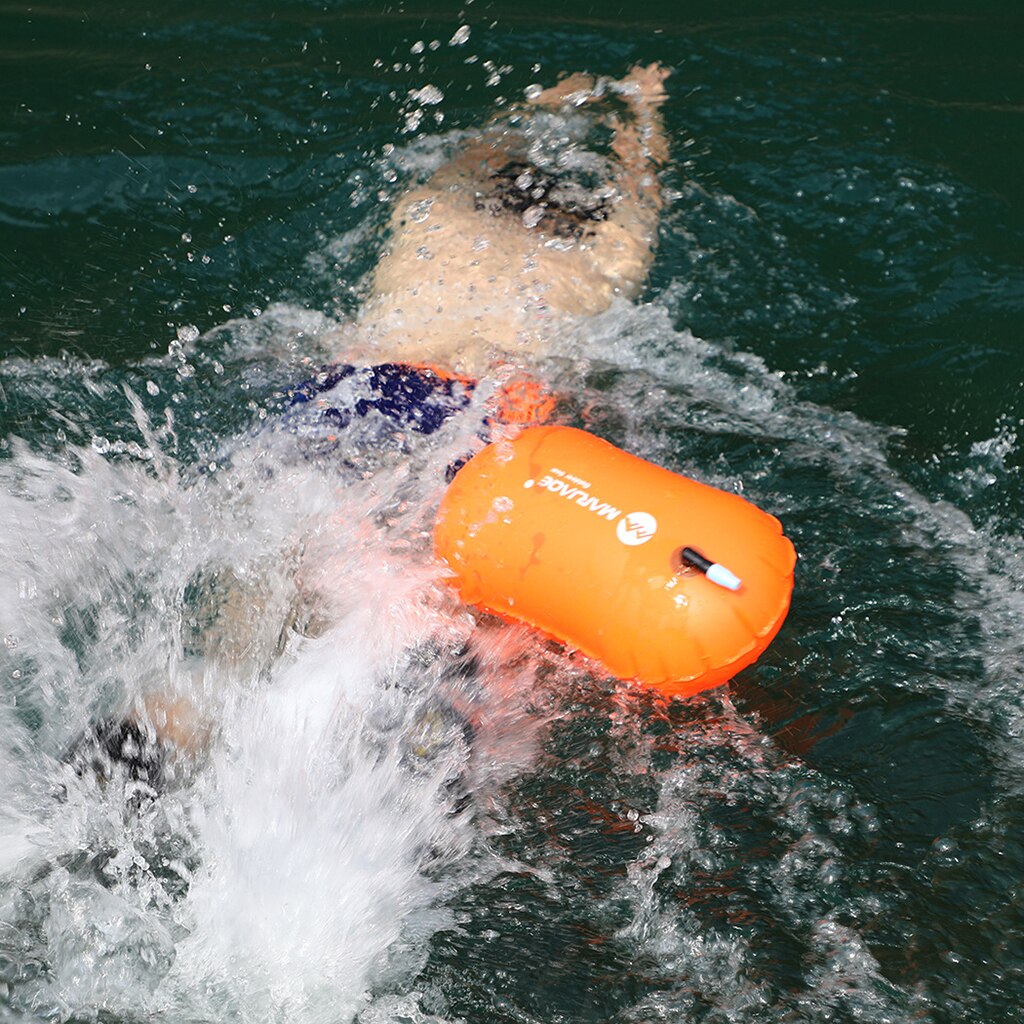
(662, 579)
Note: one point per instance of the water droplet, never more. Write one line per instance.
(420, 210)
(429, 95)
(532, 216)
(831, 872)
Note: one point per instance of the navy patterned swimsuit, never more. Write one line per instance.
(412, 397)
(359, 414)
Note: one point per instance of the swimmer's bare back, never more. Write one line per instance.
(487, 257)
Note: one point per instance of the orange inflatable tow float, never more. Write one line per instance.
(662, 579)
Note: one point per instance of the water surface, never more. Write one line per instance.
(190, 199)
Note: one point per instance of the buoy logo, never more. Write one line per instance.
(553, 484)
(636, 528)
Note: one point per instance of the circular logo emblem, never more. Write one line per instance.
(636, 528)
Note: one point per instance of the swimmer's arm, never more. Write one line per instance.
(640, 143)
(623, 246)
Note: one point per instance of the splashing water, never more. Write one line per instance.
(301, 861)
(377, 833)
(307, 865)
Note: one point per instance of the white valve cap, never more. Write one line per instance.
(723, 577)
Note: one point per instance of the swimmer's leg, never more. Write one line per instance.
(149, 746)
(225, 636)
(124, 745)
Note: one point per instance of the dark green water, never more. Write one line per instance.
(832, 325)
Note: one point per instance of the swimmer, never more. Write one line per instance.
(485, 264)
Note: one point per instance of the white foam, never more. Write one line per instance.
(288, 875)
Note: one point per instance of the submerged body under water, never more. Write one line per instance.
(409, 812)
